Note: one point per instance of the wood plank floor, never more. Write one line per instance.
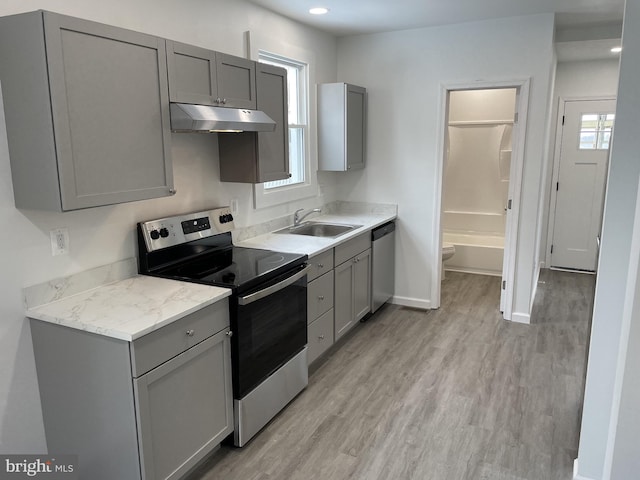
(454, 393)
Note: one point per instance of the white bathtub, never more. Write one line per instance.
(475, 253)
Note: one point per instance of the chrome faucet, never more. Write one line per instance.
(297, 218)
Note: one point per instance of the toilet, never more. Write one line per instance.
(448, 250)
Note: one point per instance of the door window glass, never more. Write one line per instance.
(595, 131)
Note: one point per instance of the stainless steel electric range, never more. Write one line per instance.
(268, 307)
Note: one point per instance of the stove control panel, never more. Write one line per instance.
(170, 231)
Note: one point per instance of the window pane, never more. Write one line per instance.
(587, 139)
(296, 154)
(595, 131)
(297, 100)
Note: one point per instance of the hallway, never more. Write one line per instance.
(449, 394)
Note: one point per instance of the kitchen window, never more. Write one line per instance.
(298, 124)
(300, 63)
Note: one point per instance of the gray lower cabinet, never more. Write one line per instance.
(352, 292)
(337, 298)
(320, 336)
(201, 76)
(147, 409)
(320, 301)
(87, 112)
(342, 126)
(251, 157)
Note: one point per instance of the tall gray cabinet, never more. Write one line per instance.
(87, 112)
(342, 126)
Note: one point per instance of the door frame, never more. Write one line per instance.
(551, 220)
(515, 184)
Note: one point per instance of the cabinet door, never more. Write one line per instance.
(356, 104)
(236, 81)
(362, 285)
(191, 73)
(272, 99)
(110, 105)
(184, 408)
(343, 299)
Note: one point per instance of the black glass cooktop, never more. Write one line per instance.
(234, 267)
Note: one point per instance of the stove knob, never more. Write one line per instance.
(164, 233)
(154, 234)
(222, 219)
(229, 218)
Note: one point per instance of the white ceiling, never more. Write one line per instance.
(349, 17)
(589, 18)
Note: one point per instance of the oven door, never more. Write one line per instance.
(270, 327)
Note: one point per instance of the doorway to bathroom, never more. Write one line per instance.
(481, 178)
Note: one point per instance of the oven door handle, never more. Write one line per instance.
(246, 300)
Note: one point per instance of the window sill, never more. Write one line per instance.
(263, 198)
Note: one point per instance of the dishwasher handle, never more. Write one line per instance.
(386, 229)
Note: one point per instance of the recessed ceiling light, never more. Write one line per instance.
(616, 49)
(318, 11)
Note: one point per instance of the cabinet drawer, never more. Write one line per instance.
(157, 347)
(320, 264)
(352, 248)
(320, 335)
(319, 296)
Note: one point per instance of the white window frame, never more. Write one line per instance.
(302, 115)
(263, 198)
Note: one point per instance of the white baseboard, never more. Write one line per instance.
(520, 317)
(575, 472)
(412, 302)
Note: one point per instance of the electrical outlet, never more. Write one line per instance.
(59, 241)
(233, 205)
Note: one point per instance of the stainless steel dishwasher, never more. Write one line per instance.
(383, 241)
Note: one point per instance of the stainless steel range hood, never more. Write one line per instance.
(204, 118)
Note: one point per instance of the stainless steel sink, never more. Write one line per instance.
(319, 229)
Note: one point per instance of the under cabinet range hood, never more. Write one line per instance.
(205, 118)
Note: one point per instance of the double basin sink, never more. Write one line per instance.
(319, 229)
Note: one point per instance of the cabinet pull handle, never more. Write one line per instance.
(320, 337)
(218, 100)
(229, 334)
(320, 297)
(190, 332)
(320, 265)
(172, 191)
(224, 101)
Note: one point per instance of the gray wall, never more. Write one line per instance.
(404, 73)
(609, 434)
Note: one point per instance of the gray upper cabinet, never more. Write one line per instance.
(201, 76)
(87, 112)
(251, 157)
(342, 114)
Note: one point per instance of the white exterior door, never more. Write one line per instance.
(580, 186)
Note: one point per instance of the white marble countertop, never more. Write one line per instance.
(314, 245)
(130, 308)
